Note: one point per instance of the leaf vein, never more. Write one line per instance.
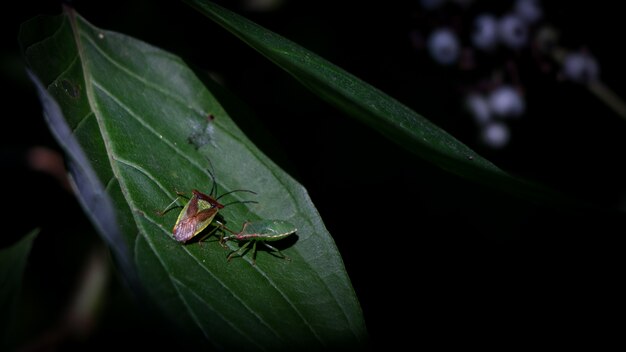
(143, 171)
(137, 77)
(81, 121)
(214, 311)
(146, 125)
(64, 71)
(216, 279)
(143, 235)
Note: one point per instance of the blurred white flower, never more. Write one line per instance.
(478, 106)
(506, 101)
(580, 67)
(485, 35)
(495, 134)
(528, 10)
(444, 46)
(513, 31)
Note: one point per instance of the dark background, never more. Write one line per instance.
(433, 258)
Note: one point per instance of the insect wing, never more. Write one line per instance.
(206, 198)
(196, 215)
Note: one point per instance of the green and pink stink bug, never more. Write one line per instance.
(199, 212)
(262, 231)
(196, 215)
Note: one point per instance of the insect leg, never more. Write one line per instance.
(169, 207)
(224, 239)
(239, 252)
(276, 250)
(209, 233)
(254, 253)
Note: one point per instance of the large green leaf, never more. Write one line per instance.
(141, 118)
(376, 109)
(12, 264)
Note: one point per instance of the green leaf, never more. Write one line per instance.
(12, 264)
(141, 118)
(376, 109)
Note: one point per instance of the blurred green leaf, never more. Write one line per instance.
(376, 109)
(12, 264)
(142, 119)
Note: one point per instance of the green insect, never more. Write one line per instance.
(262, 231)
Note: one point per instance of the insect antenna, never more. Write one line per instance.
(241, 202)
(236, 190)
(213, 191)
(211, 171)
(238, 201)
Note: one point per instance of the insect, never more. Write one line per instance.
(196, 215)
(262, 231)
(199, 212)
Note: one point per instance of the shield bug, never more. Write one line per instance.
(196, 215)
(262, 231)
(199, 212)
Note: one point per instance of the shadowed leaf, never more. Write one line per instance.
(12, 264)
